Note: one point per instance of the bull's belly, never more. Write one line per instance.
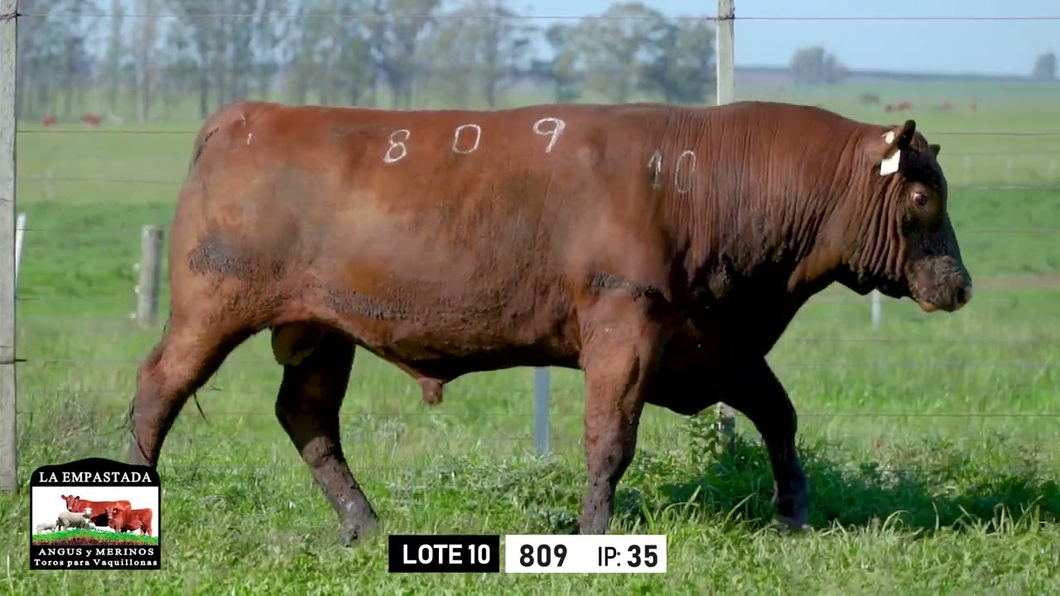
(445, 352)
(451, 330)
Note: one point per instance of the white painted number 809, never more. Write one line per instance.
(399, 144)
(456, 138)
(554, 132)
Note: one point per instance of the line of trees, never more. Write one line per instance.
(158, 59)
(1044, 67)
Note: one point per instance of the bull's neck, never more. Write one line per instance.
(870, 230)
(777, 230)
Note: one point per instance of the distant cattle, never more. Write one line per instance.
(130, 520)
(662, 250)
(77, 504)
(946, 106)
(869, 99)
(91, 119)
(68, 519)
(901, 106)
(49, 120)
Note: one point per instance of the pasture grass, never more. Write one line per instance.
(931, 443)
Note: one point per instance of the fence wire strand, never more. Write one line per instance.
(32, 363)
(492, 15)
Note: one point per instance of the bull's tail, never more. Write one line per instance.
(205, 132)
(234, 112)
(126, 422)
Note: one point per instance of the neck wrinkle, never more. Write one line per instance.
(878, 256)
(815, 255)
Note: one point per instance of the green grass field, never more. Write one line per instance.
(932, 443)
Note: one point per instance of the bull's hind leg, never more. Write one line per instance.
(307, 407)
(191, 350)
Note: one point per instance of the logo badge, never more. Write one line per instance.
(95, 514)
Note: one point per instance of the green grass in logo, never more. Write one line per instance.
(80, 536)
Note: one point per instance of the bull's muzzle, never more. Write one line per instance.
(942, 284)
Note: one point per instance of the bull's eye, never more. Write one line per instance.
(920, 199)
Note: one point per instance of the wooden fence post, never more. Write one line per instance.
(150, 275)
(542, 422)
(8, 389)
(726, 92)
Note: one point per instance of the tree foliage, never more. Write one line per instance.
(1045, 67)
(158, 59)
(815, 66)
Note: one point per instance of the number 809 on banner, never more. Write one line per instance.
(584, 554)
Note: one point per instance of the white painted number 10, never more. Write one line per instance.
(684, 170)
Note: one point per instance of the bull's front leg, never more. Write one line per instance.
(690, 379)
(757, 393)
(620, 351)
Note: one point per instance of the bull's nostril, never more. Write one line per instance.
(961, 296)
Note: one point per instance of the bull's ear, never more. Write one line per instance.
(905, 135)
(934, 149)
(896, 140)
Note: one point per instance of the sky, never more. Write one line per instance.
(987, 47)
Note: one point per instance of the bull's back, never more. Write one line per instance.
(462, 221)
(474, 226)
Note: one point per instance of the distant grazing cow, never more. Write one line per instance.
(662, 250)
(77, 504)
(49, 120)
(869, 99)
(91, 119)
(130, 520)
(45, 527)
(901, 106)
(68, 519)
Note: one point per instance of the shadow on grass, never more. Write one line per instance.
(931, 486)
(927, 488)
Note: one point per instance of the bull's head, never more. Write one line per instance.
(899, 237)
(70, 500)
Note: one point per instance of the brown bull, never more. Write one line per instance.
(130, 520)
(662, 250)
(100, 509)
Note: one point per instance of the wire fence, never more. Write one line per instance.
(994, 160)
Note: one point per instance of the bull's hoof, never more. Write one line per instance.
(794, 525)
(792, 510)
(357, 531)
